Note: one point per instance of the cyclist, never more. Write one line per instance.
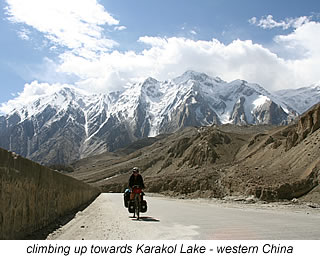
(135, 180)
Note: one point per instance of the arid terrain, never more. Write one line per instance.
(261, 162)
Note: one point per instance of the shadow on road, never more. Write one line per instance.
(147, 219)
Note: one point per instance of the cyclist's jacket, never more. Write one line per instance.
(136, 180)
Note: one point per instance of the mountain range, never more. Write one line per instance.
(71, 124)
(249, 162)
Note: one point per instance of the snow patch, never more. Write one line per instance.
(260, 101)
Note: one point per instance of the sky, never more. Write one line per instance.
(105, 45)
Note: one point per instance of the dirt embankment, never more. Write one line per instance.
(33, 196)
(280, 164)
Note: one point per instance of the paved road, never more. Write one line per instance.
(106, 218)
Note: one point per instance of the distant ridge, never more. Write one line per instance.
(71, 124)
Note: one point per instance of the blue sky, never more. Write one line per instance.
(104, 45)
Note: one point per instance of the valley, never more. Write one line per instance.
(266, 162)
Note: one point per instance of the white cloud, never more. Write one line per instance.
(306, 36)
(73, 24)
(301, 48)
(268, 22)
(120, 28)
(96, 67)
(24, 34)
(303, 41)
(165, 58)
(253, 20)
(30, 93)
(193, 32)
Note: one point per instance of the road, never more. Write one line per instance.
(174, 219)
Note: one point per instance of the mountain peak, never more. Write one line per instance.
(149, 82)
(316, 86)
(192, 75)
(196, 76)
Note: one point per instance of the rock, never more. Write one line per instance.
(251, 199)
(313, 205)
(308, 123)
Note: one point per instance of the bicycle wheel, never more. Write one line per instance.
(137, 206)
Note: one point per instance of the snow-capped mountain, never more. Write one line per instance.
(301, 99)
(71, 124)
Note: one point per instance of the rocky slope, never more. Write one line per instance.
(283, 163)
(71, 124)
(267, 162)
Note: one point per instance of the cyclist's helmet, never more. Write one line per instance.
(135, 170)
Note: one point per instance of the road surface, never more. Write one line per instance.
(174, 219)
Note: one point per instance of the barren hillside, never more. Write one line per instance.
(268, 162)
